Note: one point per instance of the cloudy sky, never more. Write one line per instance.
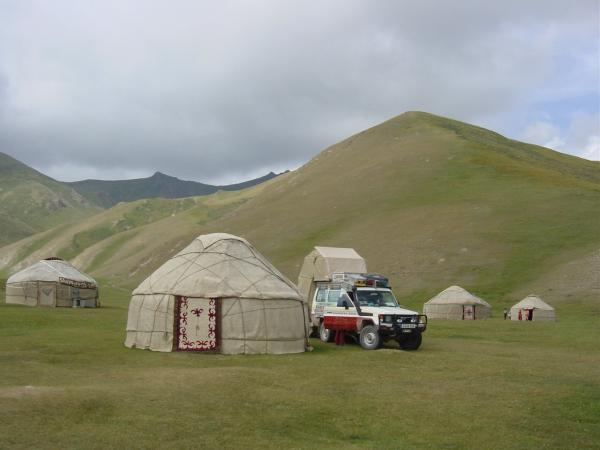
(228, 90)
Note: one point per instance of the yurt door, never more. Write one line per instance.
(529, 314)
(469, 312)
(196, 324)
(47, 294)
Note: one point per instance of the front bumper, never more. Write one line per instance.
(403, 325)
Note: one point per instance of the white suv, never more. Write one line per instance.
(364, 306)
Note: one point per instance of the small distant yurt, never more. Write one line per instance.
(322, 262)
(52, 282)
(456, 303)
(532, 308)
(219, 294)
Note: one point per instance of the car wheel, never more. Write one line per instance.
(370, 338)
(411, 342)
(325, 334)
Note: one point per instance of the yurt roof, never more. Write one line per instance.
(50, 270)
(219, 265)
(323, 261)
(456, 295)
(338, 252)
(533, 302)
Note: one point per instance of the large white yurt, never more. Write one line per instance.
(532, 308)
(219, 294)
(52, 282)
(456, 303)
(321, 262)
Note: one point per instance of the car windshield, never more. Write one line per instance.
(376, 298)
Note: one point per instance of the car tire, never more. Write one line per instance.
(369, 338)
(325, 334)
(411, 342)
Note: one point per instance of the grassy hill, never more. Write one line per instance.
(31, 202)
(126, 241)
(432, 202)
(427, 200)
(107, 193)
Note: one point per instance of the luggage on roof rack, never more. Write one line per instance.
(361, 279)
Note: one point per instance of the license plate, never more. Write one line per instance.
(408, 325)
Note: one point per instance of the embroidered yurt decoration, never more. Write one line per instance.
(197, 319)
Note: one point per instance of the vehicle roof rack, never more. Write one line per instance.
(361, 279)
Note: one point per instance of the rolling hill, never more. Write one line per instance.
(31, 202)
(427, 200)
(107, 193)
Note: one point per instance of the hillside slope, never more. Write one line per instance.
(427, 200)
(127, 240)
(432, 202)
(31, 202)
(107, 193)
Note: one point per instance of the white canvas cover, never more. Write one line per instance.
(51, 282)
(322, 262)
(541, 309)
(261, 311)
(451, 302)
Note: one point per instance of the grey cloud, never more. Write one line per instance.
(210, 91)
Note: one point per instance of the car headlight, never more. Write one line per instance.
(413, 319)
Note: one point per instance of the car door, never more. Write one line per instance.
(341, 312)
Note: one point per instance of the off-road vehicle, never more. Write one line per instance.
(364, 306)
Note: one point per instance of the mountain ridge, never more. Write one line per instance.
(107, 193)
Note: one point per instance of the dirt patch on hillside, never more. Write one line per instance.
(579, 278)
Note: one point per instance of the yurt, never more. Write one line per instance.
(320, 263)
(532, 308)
(456, 303)
(219, 294)
(52, 282)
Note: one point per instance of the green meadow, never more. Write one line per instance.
(67, 381)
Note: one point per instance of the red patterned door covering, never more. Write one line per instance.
(181, 338)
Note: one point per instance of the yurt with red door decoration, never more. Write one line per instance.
(219, 294)
(532, 307)
(456, 303)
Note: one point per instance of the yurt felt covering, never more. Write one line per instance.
(450, 304)
(221, 284)
(320, 263)
(541, 309)
(51, 282)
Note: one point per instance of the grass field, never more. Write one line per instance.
(67, 381)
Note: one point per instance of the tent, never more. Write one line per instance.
(52, 282)
(456, 303)
(322, 262)
(532, 308)
(219, 294)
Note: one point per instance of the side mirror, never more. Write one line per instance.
(345, 303)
